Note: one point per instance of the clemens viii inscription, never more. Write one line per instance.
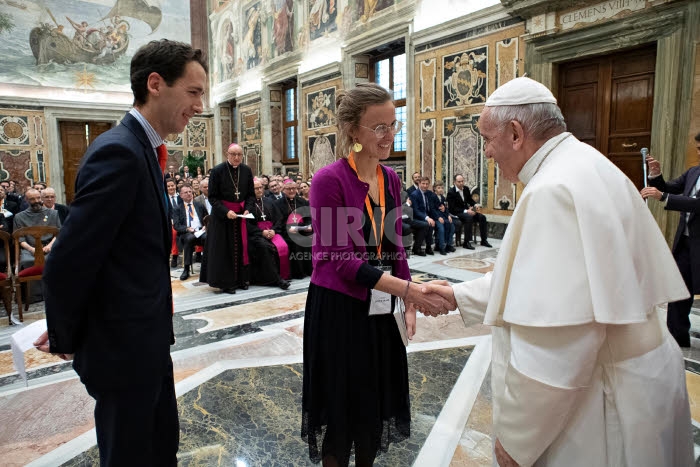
(600, 11)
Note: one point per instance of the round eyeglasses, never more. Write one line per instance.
(382, 130)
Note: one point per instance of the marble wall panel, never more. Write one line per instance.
(427, 85)
(15, 164)
(250, 124)
(427, 147)
(14, 130)
(276, 132)
(464, 155)
(465, 77)
(175, 157)
(506, 60)
(253, 156)
(197, 133)
(504, 192)
(322, 150)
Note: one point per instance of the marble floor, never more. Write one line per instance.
(237, 363)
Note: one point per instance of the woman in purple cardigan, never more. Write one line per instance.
(355, 390)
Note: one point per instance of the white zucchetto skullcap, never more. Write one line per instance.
(520, 91)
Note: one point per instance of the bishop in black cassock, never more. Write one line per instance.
(230, 189)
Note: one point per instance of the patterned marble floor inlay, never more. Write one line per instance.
(253, 415)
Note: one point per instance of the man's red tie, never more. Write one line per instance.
(162, 157)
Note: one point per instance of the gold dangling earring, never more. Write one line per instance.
(356, 147)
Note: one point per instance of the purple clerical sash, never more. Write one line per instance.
(282, 249)
(237, 207)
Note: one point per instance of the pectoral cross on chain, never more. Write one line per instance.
(294, 219)
(263, 216)
(238, 194)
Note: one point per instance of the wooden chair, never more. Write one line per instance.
(6, 282)
(34, 272)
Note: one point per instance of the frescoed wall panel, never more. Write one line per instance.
(322, 18)
(23, 152)
(320, 108)
(84, 44)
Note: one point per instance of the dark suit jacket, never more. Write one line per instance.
(411, 189)
(171, 211)
(13, 206)
(107, 281)
(454, 202)
(679, 199)
(420, 210)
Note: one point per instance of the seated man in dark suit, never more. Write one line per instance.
(461, 204)
(409, 226)
(421, 207)
(48, 197)
(444, 227)
(173, 203)
(187, 222)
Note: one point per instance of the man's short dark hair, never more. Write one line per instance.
(165, 57)
(697, 137)
(424, 179)
(454, 179)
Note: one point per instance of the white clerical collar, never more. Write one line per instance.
(533, 164)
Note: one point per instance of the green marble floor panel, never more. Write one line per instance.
(253, 415)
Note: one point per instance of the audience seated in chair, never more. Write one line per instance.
(25, 272)
(187, 222)
(461, 204)
(9, 202)
(48, 197)
(421, 207)
(413, 231)
(444, 228)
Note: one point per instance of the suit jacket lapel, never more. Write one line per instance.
(154, 170)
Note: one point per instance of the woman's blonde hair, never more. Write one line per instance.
(351, 105)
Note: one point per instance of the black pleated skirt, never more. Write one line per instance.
(355, 391)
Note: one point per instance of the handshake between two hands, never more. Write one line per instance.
(431, 298)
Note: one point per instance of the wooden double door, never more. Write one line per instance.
(75, 139)
(608, 102)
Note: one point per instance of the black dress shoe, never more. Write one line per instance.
(173, 261)
(451, 249)
(244, 286)
(283, 284)
(185, 274)
(469, 246)
(443, 252)
(486, 244)
(429, 251)
(231, 290)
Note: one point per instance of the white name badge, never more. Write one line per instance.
(380, 303)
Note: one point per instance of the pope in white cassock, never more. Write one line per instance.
(584, 373)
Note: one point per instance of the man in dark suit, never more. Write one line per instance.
(171, 172)
(275, 190)
(421, 212)
(173, 204)
(416, 182)
(461, 204)
(12, 200)
(109, 307)
(48, 197)
(681, 194)
(187, 222)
